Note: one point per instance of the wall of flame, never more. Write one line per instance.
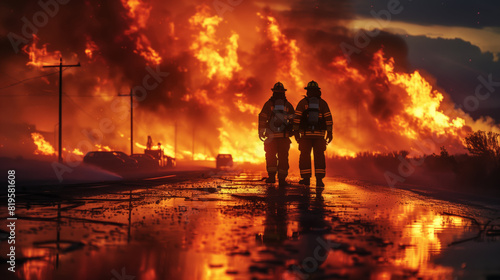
(221, 68)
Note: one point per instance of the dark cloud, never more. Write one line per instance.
(304, 11)
(456, 65)
(476, 14)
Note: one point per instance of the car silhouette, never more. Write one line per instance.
(146, 161)
(111, 160)
(224, 161)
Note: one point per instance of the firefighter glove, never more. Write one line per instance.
(329, 137)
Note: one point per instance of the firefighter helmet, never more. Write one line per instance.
(312, 85)
(278, 87)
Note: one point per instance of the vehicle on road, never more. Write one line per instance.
(111, 160)
(146, 161)
(224, 161)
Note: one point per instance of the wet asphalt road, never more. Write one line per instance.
(233, 226)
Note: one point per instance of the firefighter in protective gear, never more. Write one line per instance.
(275, 129)
(313, 120)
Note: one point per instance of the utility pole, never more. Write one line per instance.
(60, 101)
(192, 148)
(175, 140)
(131, 120)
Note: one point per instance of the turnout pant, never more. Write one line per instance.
(277, 156)
(318, 145)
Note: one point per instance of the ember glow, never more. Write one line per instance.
(90, 49)
(220, 72)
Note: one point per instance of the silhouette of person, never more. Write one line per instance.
(312, 246)
(313, 120)
(149, 144)
(275, 129)
(275, 230)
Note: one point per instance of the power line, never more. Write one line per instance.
(27, 79)
(60, 66)
(34, 95)
(52, 94)
(79, 107)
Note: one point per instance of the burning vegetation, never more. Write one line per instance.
(219, 71)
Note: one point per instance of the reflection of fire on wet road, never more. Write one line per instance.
(238, 227)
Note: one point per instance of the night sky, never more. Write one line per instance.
(454, 41)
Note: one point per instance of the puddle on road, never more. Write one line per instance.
(239, 228)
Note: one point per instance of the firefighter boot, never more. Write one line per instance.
(305, 181)
(319, 182)
(271, 179)
(282, 181)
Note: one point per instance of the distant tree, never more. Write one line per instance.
(444, 153)
(483, 143)
(396, 154)
(404, 153)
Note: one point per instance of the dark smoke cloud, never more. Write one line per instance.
(475, 14)
(315, 25)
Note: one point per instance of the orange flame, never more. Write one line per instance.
(421, 114)
(233, 137)
(424, 102)
(102, 148)
(39, 56)
(206, 47)
(288, 48)
(77, 152)
(167, 149)
(145, 50)
(219, 87)
(91, 47)
(139, 12)
(43, 147)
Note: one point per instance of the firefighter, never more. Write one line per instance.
(312, 121)
(275, 129)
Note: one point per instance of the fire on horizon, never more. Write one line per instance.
(208, 70)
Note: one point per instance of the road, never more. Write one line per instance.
(234, 226)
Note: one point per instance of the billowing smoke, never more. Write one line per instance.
(201, 70)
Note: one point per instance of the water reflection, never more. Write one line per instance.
(275, 230)
(241, 228)
(312, 247)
